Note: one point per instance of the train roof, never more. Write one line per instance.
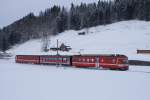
(109, 55)
(119, 55)
(43, 55)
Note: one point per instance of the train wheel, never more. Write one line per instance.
(123, 69)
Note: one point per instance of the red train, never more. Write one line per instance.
(114, 62)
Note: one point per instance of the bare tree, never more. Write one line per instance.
(45, 42)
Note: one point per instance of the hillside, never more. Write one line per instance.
(57, 19)
(119, 38)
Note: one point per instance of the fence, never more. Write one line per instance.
(143, 51)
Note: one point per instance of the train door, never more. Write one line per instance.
(97, 62)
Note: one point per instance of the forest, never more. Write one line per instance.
(57, 19)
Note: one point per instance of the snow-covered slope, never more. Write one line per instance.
(119, 38)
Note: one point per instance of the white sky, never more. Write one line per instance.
(12, 10)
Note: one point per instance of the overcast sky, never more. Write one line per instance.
(12, 10)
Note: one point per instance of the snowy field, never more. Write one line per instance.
(39, 82)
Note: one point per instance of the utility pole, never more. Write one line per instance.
(57, 64)
(57, 47)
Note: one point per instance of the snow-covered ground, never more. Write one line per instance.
(45, 82)
(39, 82)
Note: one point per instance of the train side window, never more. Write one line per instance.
(64, 59)
(53, 58)
(79, 59)
(83, 59)
(110, 60)
(102, 60)
(92, 60)
(56, 58)
(113, 61)
(76, 59)
(88, 60)
(50, 59)
(44, 60)
(59, 59)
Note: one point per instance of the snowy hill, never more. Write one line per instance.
(119, 38)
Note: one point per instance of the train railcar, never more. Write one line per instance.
(56, 59)
(101, 61)
(85, 61)
(33, 59)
